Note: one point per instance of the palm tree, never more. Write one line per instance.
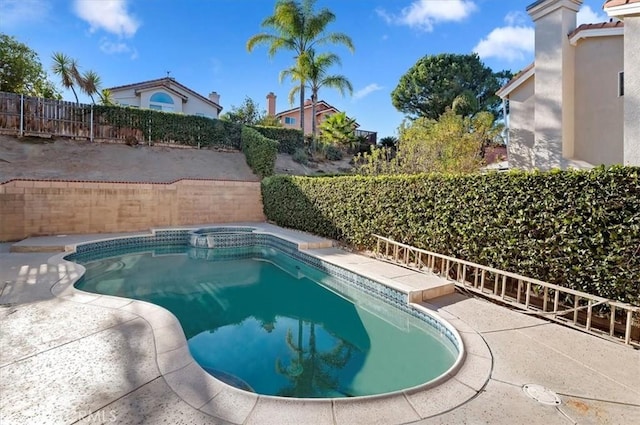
(106, 98)
(90, 84)
(339, 129)
(296, 27)
(67, 69)
(312, 70)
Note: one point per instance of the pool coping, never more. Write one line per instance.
(462, 382)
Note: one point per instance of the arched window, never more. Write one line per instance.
(161, 101)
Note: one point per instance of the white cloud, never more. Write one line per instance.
(109, 15)
(517, 18)
(586, 15)
(509, 43)
(15, 13)
(424, 14)
(119, 47)
(366, 91)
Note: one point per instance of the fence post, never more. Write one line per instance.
(21, 115)
(91, 125)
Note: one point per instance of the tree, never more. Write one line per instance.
(313, 70)
(451, 144)
(106, 98)
(338, 129)
(248, 113)
(90, 84)
(296, 27)
(21, 71)
(67, 69)
(434, 82)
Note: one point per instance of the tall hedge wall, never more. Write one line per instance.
(289, 139)
(573, 228)
(259, 151)
(171, 128)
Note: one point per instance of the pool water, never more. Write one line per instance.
(261, 321)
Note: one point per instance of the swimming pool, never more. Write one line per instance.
(265, 317)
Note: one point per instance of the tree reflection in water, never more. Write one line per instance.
(312, 374)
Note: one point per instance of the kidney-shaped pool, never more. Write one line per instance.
(262, 321)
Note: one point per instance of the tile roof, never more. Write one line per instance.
(613, 3)
(599, 25)
(516, 77)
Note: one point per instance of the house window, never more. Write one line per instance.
(289, 120)
(621, 83)
(161, 102)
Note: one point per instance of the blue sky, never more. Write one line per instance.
(202, 43)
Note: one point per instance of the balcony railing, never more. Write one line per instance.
(372, 136)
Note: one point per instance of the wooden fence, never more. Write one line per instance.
(33, 116)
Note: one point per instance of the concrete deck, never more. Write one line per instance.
(79, 358)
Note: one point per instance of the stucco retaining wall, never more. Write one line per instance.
(35, 208)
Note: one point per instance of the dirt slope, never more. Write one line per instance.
(36, 158)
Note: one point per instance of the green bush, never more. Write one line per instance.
(332, 153)
(165, 127)
(260, 151)
(301, 156)
(577, 229)
(290, 139)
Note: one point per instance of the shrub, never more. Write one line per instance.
(577, 229)
(290, 139)
(165, 127)
(259, 151)
(301, 156)
(332, 153)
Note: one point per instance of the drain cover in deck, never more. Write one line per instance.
(541, 394)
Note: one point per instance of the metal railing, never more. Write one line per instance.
(611, 319)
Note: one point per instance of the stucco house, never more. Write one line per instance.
(290, 118)
(168, 95)
(578, 104)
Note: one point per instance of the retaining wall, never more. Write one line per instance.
(36, 208)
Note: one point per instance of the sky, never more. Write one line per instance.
(202, 44)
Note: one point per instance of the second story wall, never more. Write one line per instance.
(599, 109)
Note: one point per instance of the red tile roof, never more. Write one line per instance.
(600, 25)
(516, 77)
(613, 3)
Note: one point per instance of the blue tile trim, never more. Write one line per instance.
(164, 241)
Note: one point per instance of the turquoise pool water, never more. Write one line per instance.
(262, 321)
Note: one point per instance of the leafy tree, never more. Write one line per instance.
(297, 27)
(269, 121)
(434, 82)
(313, 70)
(21, 71)
(338, 129)
(451, 144)
(248, 113)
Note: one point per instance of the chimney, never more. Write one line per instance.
(214, 97)
(271, 104)
(554, 78)
(307, 102)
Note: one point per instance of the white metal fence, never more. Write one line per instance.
(612, 319)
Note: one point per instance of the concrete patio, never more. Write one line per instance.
(92, 359)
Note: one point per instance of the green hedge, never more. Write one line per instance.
(165, 127)
(290, 139)
(260, 151)
(573, 228)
